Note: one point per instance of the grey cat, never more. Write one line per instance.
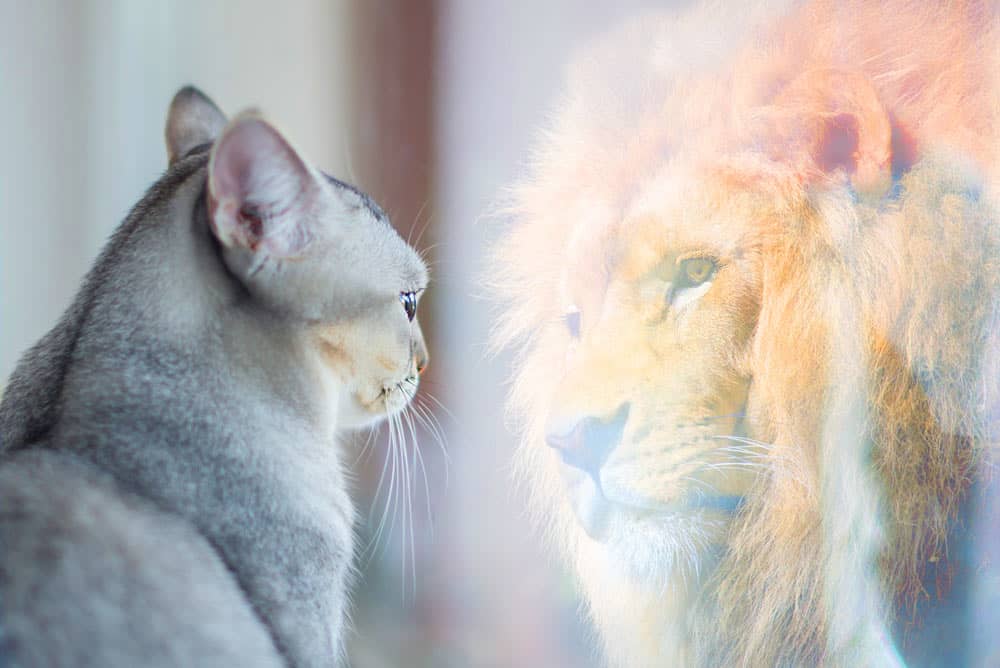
(171, 491)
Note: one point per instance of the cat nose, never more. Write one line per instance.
(418, 351)
(586, 443)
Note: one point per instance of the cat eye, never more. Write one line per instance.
(409, 301)
(694, 271)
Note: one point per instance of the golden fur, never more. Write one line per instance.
(838, 161)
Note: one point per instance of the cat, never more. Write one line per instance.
(171, 491)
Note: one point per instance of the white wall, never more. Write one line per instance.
(84, 87)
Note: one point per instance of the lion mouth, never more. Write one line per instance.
(597, 511)
(592, 508)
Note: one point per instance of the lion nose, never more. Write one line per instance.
(586, 443)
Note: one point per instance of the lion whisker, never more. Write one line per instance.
(768, 447)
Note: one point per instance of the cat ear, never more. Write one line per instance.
(261, 193)
(192, 120)
(828, 120)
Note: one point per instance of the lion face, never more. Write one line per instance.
(755, 320)
(647, 360)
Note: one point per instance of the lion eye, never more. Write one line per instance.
(691, 281)
(572, 320)
(695, 271)
(409, 301)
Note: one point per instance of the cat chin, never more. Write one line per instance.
(357, 413)
(353, 414)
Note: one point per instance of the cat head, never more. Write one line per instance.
(312, 251)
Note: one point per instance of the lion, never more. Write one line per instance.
(751, 278)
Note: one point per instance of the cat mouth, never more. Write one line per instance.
(394, 397)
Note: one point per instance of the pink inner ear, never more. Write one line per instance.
(260, 190)
(831, 121)
(838, 144)
(232, 169)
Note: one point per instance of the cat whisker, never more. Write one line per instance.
(381, 481)
(411, 467)
(413, 418)
(425, 251)
(398, 487)
(416, 222)
(429, 421)
(366, 449)
(440, 405)
(398, 479)
(390, 463)
(404, 495)
(406, 499)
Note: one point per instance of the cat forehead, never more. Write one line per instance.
(364, 200)
(405, 265)
(403, 258)
(414, 271)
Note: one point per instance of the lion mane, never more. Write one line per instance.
(867, 136)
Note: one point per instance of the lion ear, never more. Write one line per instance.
(829, 121)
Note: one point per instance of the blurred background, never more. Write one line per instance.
(431, 106)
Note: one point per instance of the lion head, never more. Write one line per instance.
(754, 299)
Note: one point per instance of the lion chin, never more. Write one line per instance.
(752, 277)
